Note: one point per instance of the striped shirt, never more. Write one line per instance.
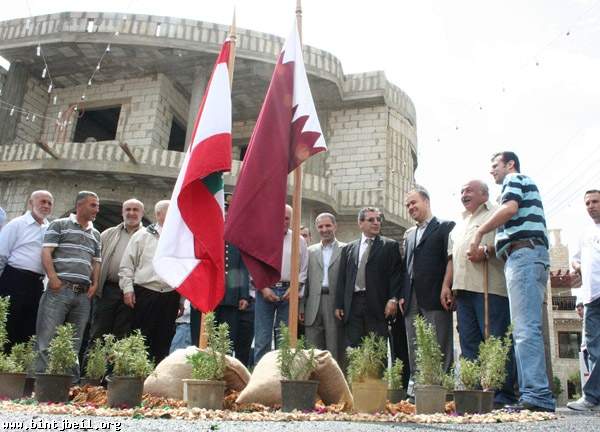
(75, 247)
(529, 222)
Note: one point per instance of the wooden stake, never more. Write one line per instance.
(297, 211)
(486, 306)
(230, 67)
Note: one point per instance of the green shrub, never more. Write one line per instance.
(367, 360)
(130, 357)
(23, 355)
(294, 363)
(493, 355)
(393, 375)
(97, 360)
(210, 363)
(429, 356)
(469, 373)
(556, 386)
(62, 358)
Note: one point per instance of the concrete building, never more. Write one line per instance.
(120, 130)
(565, 326)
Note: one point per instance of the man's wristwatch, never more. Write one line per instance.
(486, 253)
(393, 299)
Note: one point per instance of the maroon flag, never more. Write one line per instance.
(287, 133)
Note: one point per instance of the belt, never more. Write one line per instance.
(26, 272)
(76, 287)
(360, 293)
(281, 284)
(520, 244)
(324, 290)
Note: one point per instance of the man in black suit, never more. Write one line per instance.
(369, 281)
(423, 269)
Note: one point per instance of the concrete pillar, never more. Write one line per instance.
(201, 77)
(13, 92)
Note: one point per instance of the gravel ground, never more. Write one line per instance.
(568, 421)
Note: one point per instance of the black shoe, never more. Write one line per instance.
(527, 406)
(411, 399)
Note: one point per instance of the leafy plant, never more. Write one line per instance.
(393, 375)
(556, 386)
(429, 355)
(469, 373)
(367, 360)
(23, 355)
(493, 354)
(130, 357)
(294, 363)
(97, 360)
(4, 306)
(62, 357)
(210, 363)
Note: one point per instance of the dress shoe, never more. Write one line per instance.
(521, 406)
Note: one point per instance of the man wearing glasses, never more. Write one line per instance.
(423, 269)
(369, 281)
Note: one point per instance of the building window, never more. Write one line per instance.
(569, 344)
(176, 137)
(97, 125)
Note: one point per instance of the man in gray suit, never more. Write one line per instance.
(318, 306)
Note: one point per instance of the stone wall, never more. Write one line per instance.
(35, 101)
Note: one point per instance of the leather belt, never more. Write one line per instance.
(281, 284)
(76, 287)
(324, 290)
(520, 244)
(361, 293)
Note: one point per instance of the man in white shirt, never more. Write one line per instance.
(21, 271)
(587, 262)
(272, 303)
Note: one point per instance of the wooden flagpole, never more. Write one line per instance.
(297, 211)
(230, 66)
(486, 305)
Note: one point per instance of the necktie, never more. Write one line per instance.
(361, 277)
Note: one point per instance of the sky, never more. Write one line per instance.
(484, 76)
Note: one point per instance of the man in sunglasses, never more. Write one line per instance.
(369, 281)
(423, 269)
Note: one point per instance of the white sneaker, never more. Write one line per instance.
(582, 405)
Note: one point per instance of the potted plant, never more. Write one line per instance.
(493, 355)
(13, 367)
(468, 396)
(131, 366)
(296, 365)
(393, 377)
(365, 369)
(430, 395)
(54, 385)
(97, 361)
(206, 389)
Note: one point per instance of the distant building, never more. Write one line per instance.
(123, 135)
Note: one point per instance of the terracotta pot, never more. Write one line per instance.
(369, 395)
(298, 395)
(52, 388)
(124, 392)
(204, 393)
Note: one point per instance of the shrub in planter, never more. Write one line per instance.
(53, 386)
(365, 369)
(206, 389)
(468, 398)
(131, 366)
(493, 355)
(296, 365)
(393, 377)
(430, 395)
(97, 361)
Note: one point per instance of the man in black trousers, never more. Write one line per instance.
(369, 281)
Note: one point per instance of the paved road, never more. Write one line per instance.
(568, 421)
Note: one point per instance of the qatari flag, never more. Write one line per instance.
(287, 133)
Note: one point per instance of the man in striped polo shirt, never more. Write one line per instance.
(71, 259)
(522, 242)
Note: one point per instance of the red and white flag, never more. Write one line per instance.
(190, 252)
(287, 133)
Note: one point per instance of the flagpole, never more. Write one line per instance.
(297, 211)
(203, 342)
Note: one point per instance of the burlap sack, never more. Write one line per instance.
(265, 387)
(165, 381)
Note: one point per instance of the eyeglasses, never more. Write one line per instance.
(373, 219)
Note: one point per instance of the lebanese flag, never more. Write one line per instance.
(287, 133)
(190, 251)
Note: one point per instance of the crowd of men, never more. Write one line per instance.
(497, 255)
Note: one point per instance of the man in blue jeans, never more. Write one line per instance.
(587, 262)
(272, 303)
(521, 240)
(463, 287)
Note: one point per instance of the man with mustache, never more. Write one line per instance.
(463, 283)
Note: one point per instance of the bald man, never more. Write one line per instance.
(21, 270)
(463, 283)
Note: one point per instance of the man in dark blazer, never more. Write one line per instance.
(369, 281)
(423, 269)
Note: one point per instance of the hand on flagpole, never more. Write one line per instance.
(243, 304)
(129, 299)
